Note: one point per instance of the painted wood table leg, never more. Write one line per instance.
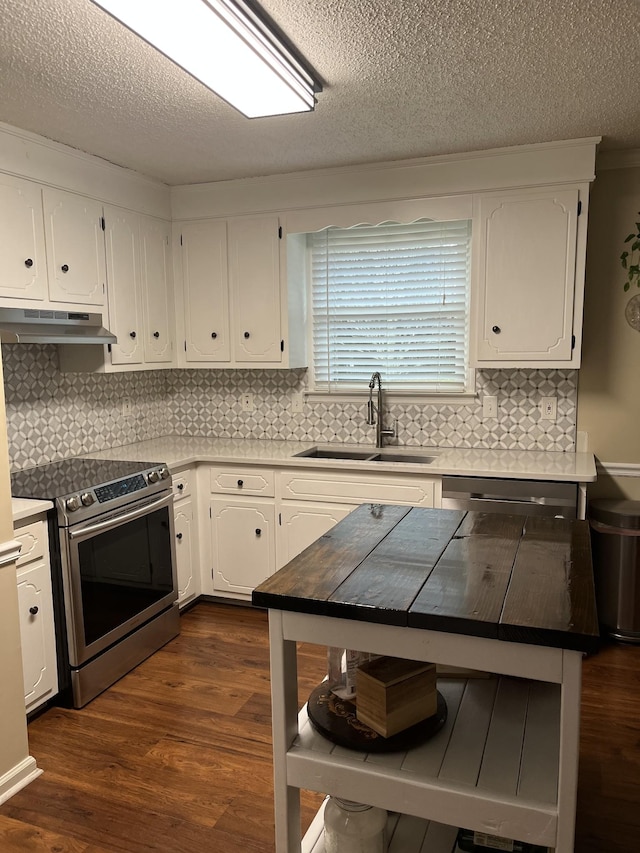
(569, 749)
(284, 712)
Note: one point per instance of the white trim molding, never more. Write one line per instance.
(18, 778)
(9, 552)
(618, 469)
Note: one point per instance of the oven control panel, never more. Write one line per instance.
(120, 488)
(116, 490)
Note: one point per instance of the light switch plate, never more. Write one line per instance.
(297, 402)
(247, 402)
(489, 406)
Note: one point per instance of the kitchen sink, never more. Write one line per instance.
(324, 453)
(366, 456)
(412, 459)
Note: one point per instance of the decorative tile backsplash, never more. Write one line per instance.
(51, 414)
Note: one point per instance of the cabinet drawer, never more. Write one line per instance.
(35, 541)
(243, 481)
(350, 488)
(183, 483)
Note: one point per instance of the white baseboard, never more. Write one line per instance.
(18, 777)
(619, 469)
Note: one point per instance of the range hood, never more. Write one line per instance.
(38, 326)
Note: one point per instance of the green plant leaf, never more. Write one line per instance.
(626, 286)
(630, 237)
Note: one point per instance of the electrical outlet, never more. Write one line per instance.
(247, 402)
(489, 406)
(297, 402)
(127, 410)
(548, 408)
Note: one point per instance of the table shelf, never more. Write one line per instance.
(496, 761)
(405, 834)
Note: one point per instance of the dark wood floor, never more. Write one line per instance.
(176, 756)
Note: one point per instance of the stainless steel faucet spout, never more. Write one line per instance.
(374, 412)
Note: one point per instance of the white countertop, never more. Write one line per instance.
(181, 451)
(22, 508)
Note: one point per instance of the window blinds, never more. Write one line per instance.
(392, 298)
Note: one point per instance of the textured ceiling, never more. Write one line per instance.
(403, 78)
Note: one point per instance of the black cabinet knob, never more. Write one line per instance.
(214, 335)
(132, 334)
(258, 531)
(178, 536)
(33, 610)
(247, 335)
(156, 334)
(65, 267)
(28, 262)
(240, 483)
(496, 330)
(180, 486)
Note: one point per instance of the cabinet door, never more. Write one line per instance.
(254, 278)
(22, 252)
(37, 635)
(526, 268)
(303, 523)
(123, 285)
(206, 291)
(75, 248)
(243, 551)
(157, 290)
(188, 585)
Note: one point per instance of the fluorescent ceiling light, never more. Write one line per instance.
(227, 46)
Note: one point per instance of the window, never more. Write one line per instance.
(392, 298)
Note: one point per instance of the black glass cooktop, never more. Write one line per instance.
(69, 476)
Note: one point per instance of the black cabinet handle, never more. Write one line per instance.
(156, 334)
(258, 531)
(28, 262)
(178, 535)
(180, 486)
(132, 334)
(214, 335)
(33, 610)
(247, 335)
(496, 330)
(65, 267)
(240, 483)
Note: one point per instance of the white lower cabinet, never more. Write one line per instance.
(300, 524)
(35, 602)
(184, 517)
(311, 502)
(243, 545)
(242, 528)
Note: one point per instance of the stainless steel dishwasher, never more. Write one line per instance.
(519, 497)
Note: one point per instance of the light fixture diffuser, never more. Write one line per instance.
(228, 47)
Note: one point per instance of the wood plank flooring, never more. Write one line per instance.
(176, 756)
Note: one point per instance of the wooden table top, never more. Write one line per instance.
(507, 577)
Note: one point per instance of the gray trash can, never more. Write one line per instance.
(615, 542)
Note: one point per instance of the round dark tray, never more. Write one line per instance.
(336, 720)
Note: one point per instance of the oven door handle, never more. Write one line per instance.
(89, 529)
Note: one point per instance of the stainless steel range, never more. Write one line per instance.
(113, 566)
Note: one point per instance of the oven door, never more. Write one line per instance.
(118, 572)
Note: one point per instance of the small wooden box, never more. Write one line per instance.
(393, 694)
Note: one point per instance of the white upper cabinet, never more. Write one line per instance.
(157, 291)
(254, 278)
(527, 293)
(140, 299)
(124, 285)
(205, 291)
(234, 300)
(22, 252)
(75, 248)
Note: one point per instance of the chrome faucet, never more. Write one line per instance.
(374, 412)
